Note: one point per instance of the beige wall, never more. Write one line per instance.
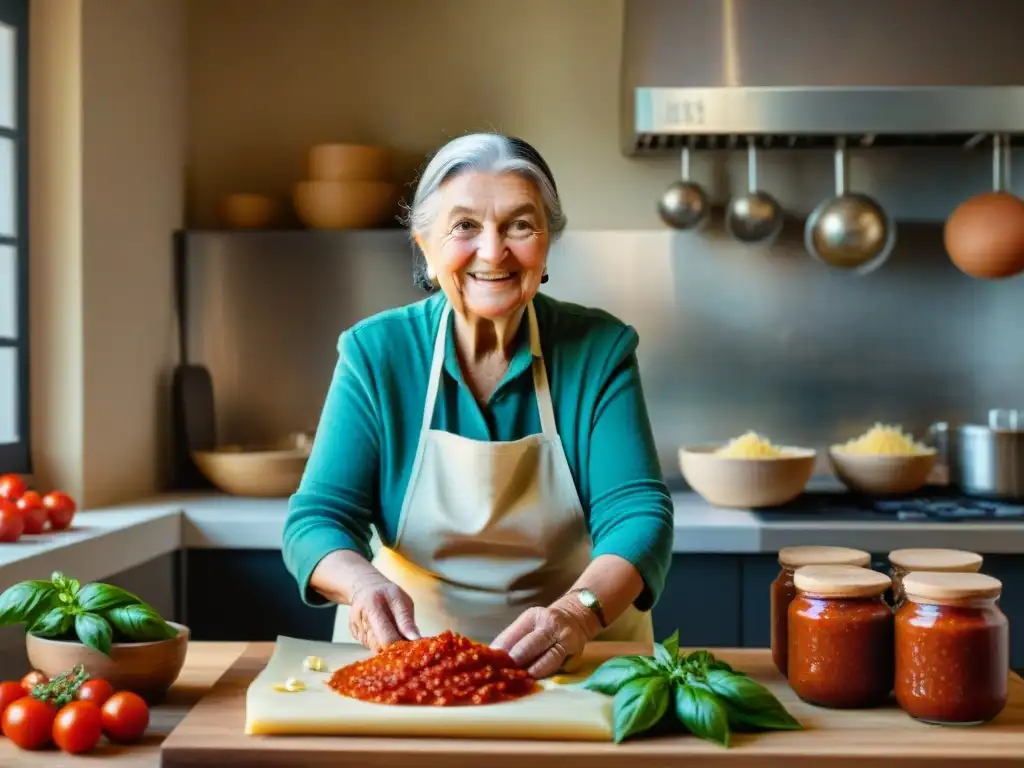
(268, 78)
(107, 155)
(119, 85)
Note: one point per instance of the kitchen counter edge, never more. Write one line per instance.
(111, 540)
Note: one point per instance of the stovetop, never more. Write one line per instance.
(934, 506)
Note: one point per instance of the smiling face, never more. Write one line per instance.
(488, 244)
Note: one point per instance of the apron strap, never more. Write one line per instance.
(434, 383)
(541, 386)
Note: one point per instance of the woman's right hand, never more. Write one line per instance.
(380, 613)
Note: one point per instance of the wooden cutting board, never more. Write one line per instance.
(213, 734)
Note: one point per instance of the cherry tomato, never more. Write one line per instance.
(32, 679)
(11, 487)
(125, 717)
(32, 509)
(95, 690)
(12, 522)
(9, 693)
(61, 509)
(28, 722)
(78, 727)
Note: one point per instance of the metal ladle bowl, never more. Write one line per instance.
(850, 231)
(684, 204)
(754, 218)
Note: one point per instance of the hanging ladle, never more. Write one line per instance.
(850, 231)
(684, 204)
(756, 217)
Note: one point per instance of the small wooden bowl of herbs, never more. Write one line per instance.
(107, 630)
(694, 692)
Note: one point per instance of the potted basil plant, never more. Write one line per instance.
(112, 633)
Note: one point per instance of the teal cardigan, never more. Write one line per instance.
(369, 428)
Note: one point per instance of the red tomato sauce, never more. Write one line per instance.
(445, 670)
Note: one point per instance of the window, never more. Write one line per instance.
(14, 406)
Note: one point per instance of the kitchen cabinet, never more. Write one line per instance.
(701, 600)
(247, 595)
(714, 601)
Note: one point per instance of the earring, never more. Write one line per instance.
(544, 277)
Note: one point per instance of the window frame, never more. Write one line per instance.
(17, 457)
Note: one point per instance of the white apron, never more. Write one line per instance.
(489, 529)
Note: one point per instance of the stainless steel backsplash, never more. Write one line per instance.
(731, 338)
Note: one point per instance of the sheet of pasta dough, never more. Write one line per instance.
(559, 711)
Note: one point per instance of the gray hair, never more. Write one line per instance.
(485, 153)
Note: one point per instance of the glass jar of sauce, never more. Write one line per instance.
(783, 591)
(840, 637)
(952, 648)
(903, 561)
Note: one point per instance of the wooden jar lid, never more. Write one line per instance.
(951, 560)
(840, 581)
(941, 587)
(798, 557)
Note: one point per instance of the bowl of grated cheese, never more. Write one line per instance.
(884, 461)
(747, 472)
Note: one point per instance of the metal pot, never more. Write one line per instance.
(985, 460)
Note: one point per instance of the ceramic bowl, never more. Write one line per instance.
(881, 475)
(742, 483)
(345, 204)
(266, 470)
(349, 162)
(148, 669)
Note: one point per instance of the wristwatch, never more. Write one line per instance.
(589, 600)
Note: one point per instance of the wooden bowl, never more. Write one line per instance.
(726, 481)
(349, 162)
(248, 211)
(270, 470)
(147, 669)
(881, 475)
(345, 204)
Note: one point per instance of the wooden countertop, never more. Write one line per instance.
(870, 737)
(213, 735)
(204, 665)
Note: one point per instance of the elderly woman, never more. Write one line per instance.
(496, 439)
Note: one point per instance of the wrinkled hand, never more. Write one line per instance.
(380, 614)
(541, 639)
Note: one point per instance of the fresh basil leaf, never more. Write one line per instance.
(702, 714)
(98, 598)
(667, 651)
(54, 623)
(749, 703)
(94, 631)
(26, 601)
(58, 579)
(140, 623)
(639, 705)
(616, 672)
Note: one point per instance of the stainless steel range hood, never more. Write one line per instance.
(798, 73)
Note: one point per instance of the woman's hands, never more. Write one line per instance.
(380, 613)
(541, 639)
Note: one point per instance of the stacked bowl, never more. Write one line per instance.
(349, 187)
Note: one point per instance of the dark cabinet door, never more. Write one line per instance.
(247, 595)
(701, 600)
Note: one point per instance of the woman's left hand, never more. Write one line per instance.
(541, 639)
